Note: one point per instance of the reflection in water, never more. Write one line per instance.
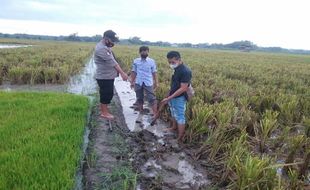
(127, 97)
(85, 82)
(7, 46)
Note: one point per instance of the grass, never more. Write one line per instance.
(40, 139)
(121, 178)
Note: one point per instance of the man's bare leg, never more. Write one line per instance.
(105, 112)
(181, 132)
(173, 127)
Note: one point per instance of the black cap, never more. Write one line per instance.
(111, 35)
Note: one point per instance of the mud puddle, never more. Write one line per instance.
(156, 155)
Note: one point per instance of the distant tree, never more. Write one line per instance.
(73, 37)
(242, 46)
(186, 45)
(238, 45)
(135, 40)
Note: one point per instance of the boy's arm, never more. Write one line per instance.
(121, 72)
(133, 79)
(133, 74)
(155, 78)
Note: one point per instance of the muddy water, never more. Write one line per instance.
(157, 153)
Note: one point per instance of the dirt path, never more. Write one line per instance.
(156, 157)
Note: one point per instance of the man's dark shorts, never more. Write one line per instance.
(151, 98)
(106, 87)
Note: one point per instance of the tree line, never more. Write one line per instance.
(244, 46)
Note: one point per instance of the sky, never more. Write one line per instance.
(283, 23)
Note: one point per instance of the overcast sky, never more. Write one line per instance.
(282, 23)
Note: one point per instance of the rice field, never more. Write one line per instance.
(248, 123)
(41, 135)
(250, 117)
(44, 62)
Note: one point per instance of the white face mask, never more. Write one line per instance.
(173, 66)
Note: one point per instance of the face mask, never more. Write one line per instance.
(143, 56)
(109, 44)
(173, 66)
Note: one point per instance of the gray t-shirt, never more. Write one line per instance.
(105, 62)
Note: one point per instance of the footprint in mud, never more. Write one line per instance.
(139, 118)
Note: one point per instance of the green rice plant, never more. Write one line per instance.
(238, 149)
(304, 167)
(294, 182)
(41, 136)
(26, 65)
(198, 125)
(36, 76)
(267, 125)
(216, 143)
(248, 121)
(20, 75)
(282, 138)
(253, 173)
(295, 144)
(290, 112)
(306, 123)
(225, 112)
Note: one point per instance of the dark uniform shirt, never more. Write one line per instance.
(182, 74)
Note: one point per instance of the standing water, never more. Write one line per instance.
(6, 46)
(84, 84)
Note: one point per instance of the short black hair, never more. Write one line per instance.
(144, 48)
(173, 54)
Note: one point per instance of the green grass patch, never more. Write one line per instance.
(40, 139)
(121, 178)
